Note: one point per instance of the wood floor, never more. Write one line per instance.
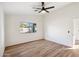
(40, 48)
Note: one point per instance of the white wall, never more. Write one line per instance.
(59, 22)
(13, 36)
(1, 31)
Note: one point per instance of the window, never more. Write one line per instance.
(28, 27)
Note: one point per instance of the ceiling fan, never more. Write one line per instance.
(44, 8)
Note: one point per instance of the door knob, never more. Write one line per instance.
(68, 31)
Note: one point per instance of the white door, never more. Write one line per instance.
(76, 29)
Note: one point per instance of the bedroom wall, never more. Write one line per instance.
(59, 22)
(13, 36)
(2, 45)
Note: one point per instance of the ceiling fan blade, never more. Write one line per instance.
(50, 7)
(36, 8)
(42, 4)
(40, 11)
(46, 11)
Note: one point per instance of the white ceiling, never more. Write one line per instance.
(27, 7)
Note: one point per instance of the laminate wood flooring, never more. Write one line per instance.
(40, 48)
